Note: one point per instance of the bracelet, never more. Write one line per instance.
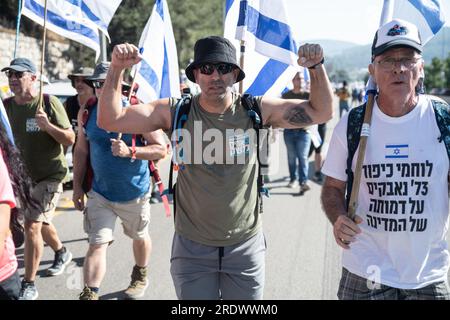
(317, 64)
(133, 148)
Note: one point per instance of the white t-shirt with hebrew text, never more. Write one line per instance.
(403, 199)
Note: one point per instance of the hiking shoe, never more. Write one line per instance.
(304, 187)
(28, 291)
(292, 184)
(88, 294)
(138, 284)
(62, 259)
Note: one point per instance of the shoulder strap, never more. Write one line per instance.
(254, 112)
(86, 114)
(442, 113)
(180, 117)
(47, 105)
(354, 125)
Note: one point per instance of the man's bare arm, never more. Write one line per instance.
(137, 118)
(300, 113)
(333, 203)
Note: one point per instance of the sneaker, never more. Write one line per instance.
(88, 294)
(62, 259)
(292, 184)
(138, 284)
(28, 291)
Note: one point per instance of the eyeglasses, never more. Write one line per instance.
(97, 84)
(17, 74)
(222, 68)
(390, 63)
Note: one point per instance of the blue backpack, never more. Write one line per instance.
(355, 121)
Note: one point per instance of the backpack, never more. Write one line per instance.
(249, 102)
(354, 125)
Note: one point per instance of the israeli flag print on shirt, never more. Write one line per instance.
(396, 151)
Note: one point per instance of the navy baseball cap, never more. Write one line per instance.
(21, 65)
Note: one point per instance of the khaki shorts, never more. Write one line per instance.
(47, 194)
(100, 218)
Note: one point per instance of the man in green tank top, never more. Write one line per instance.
(218, 248)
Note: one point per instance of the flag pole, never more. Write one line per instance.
(241, 64)
(386, 15)
(41, 86)
(19, 15)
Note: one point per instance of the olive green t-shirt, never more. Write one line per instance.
(216, 191)
(43, 156)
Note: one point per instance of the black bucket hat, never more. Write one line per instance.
(213, 49)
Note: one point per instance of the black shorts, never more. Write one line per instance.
(321, 128)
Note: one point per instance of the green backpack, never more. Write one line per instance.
(355, 121)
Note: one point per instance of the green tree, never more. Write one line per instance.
(447, 72)
(434, 74)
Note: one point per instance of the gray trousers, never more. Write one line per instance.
(201, 272)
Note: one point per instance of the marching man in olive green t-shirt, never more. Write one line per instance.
(40, 134)
(218, 248)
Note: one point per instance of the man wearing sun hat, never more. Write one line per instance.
(396, 247)
(40, 134)
(218, 249)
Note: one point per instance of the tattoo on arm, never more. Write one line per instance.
(297, 116)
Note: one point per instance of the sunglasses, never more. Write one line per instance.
(97, 84)
(222, 68)
(17, 74)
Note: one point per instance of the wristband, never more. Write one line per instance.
(317, 64)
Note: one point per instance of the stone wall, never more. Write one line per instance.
(56, 67)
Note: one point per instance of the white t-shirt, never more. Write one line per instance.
(403, 199)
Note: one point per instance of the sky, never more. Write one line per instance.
(347, 20)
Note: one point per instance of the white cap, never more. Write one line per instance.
(396, 33)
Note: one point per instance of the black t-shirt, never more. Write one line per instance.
(72, 106)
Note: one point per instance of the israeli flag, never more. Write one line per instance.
(158, 75)
(396, 151)
(270, 60)
(5, 123)
(426, 15)
(78, 20)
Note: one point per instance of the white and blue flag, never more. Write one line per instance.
(78, 20)
(158, 75)
(425, 14)
(270, 60)
(5, 123)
